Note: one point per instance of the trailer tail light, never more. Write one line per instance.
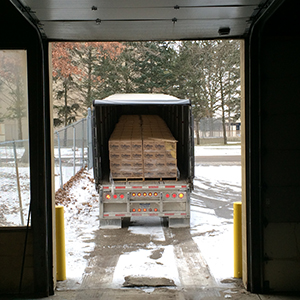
(167, 195)
(133, 194)
(155, 194)
(181, 195)
(139, 210)
(144, 194)
(133, 209)
(107, 196)
(115, 196)
(145, 209)
(122, 196)
(155, 209)
(139, 194)
(150, 194)
(174, 195)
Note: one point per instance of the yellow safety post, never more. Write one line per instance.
(237, 239)
(60, 244)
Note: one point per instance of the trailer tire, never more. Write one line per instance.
(165, 221)
(126, 222)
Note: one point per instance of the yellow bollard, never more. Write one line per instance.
(237, 239)
(60, 244)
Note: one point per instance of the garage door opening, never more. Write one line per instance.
(104, 258)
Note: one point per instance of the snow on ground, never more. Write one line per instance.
(212, 233)
(139, 263)
(155, 232)
(67, 173)
(217, 150)
(81, 220)
(10, 202)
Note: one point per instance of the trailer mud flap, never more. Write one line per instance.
(110, 223)
(179, 222)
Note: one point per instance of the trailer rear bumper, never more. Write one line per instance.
(115, 221)
(166, 200)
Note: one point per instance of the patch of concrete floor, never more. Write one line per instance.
(154, 294)
(136, 281)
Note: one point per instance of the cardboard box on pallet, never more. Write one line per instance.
(159, 149)
(142, 147)
(125, 148)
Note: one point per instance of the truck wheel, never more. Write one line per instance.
(165, 221)
(126, 222)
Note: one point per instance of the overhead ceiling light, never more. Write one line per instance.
(224, 30)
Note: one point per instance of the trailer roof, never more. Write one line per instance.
(141, 99)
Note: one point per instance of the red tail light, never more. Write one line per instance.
(107, 196)
(122, 196)
(167, 195)
(133, 194)
(139, 194)
(155, 194)
(174, 195)
(133, 209)
(145, 209)
(144, 194)
(139, 210)
(155, 209)
(150, 194)
(115, 196)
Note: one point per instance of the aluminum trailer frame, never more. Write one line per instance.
(177, 114)
(147, 199)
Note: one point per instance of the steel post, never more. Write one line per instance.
(18, 183)
(60, 244)
(74, 150)
(82, 151)
(237, 232)
(59, 161)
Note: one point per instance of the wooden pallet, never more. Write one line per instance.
(162, 178)
(127, 179)
(134, 179)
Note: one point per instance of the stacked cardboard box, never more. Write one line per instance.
(125, 148)
(142, 147)
(159, 148)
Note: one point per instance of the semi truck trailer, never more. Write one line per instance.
(143, 158)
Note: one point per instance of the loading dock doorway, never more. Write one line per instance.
(104, 249)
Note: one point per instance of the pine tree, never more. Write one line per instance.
(227, 70)
(152, 66)
(94, 59)
(64, 72)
